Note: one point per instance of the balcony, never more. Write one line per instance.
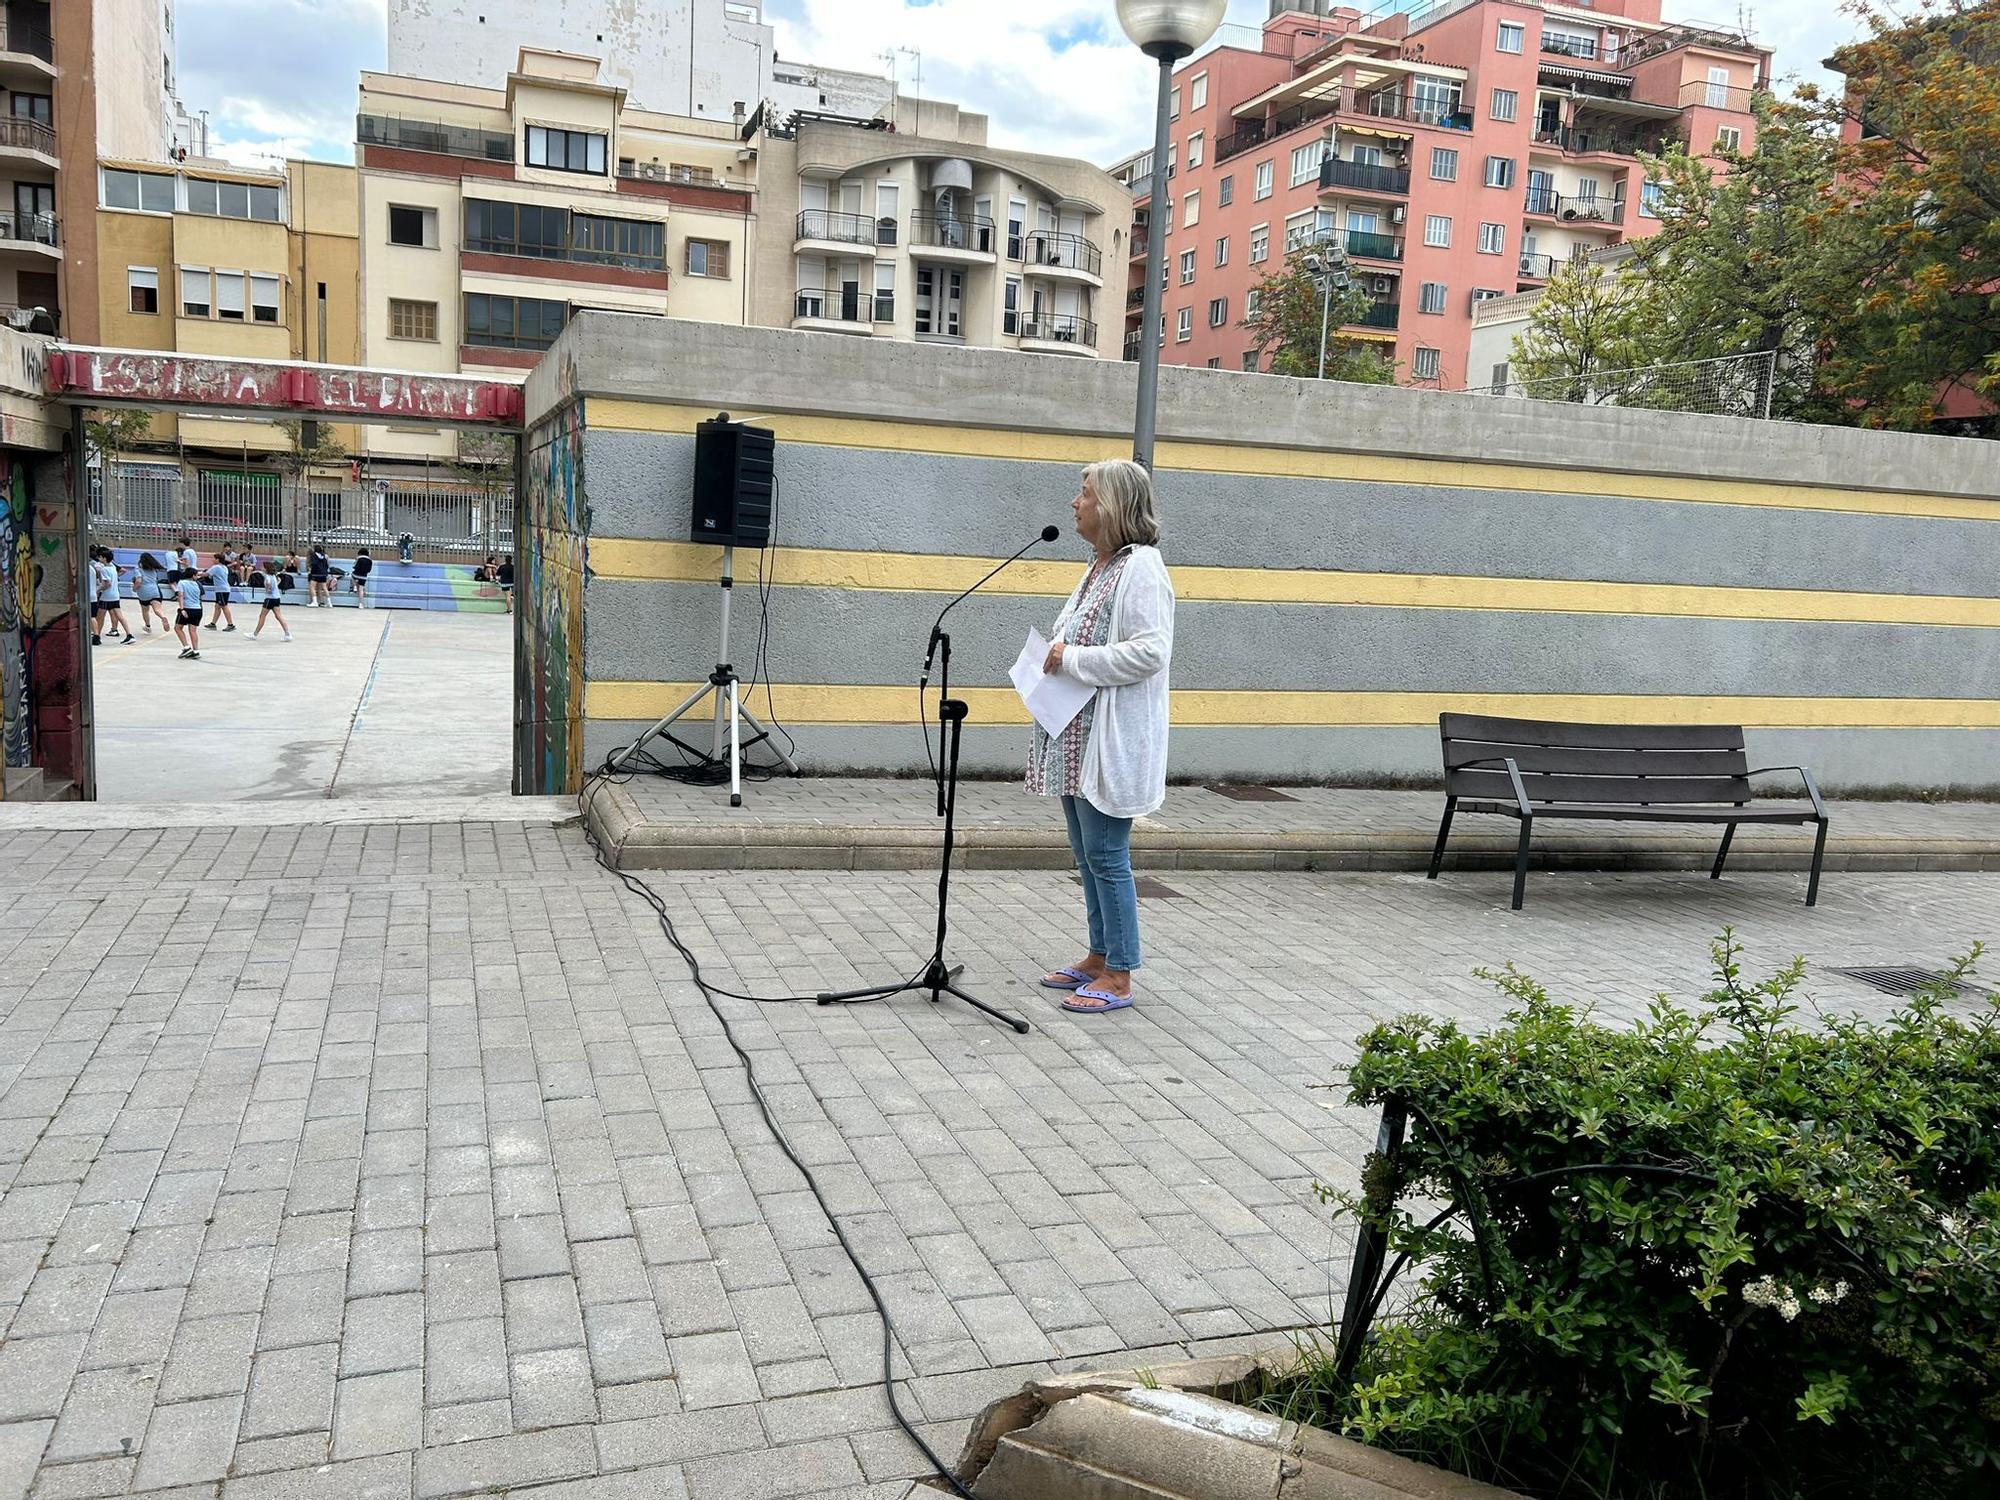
(22, 41)
(1573, 140)
(839, 310)
(963, 237)
(1536, 267)
(680, 172)
(433, 136)
(1142, 225)
(1581, 49)
(1063, 256)
(1135, 298)
(19, 137)
(1695, 94)
(1379, 315)
(1361, 177)
(1059, 333)
(1242, 139)
(40, 231)
(1368, 245)
(1131, 347)
(826, 226)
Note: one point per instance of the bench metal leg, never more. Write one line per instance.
(1444, 831)
(1521, 863)
(1819, 852)
(1722, 854)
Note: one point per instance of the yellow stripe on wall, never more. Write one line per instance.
(802, 567)
(804, 703)
(606, 414)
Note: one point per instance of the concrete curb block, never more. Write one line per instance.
(1176, 1432)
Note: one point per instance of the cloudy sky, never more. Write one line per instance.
(278, 77)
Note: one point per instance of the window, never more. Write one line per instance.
(1260, 244)
(1194, 149)
(1512, 35)
(234, 200)
(1184, 325)
(709, 258)
(1587, 189)
(497, 322)
(1492, 239)
(264, 298)
(142, 289)
(526, 229)
(413, 320)
(1173, 104)
(1581, 44)
(1427, 364)
(1187, 266)
(1218, 311)
(1225, 192)
(229, 296)
(1484, 294)
(1437, 230)
(195, 301)
(885, 288)
(1215, 364)
(1298, 229)
(1198, 91)
(1305, 161)
(1173, 158)
(1500, 171)
(1192, 215)
(1222, 251)
(565, 150)
(37, 107)
(1433, 100)
(1500, 377)
(149, 192)
(1253, 302)
(633, 244)
(416, 227)
(1010, 316)
(1444, 164)
(1649, 198)
(1718, 88)
(1250, 362)
(1506, 104)
(1017, 227)
(1263, 188)
(1728, 138)
(1430, 297)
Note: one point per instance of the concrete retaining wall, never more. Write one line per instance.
(1350, 561)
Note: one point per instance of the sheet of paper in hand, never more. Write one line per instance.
(1054, 701)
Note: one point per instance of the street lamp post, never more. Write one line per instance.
(1328, 270)
(1166, 30)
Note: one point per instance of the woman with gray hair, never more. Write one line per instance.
(1109, 765)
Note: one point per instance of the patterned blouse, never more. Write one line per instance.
(1055, 764)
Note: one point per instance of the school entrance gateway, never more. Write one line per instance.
(58, 691)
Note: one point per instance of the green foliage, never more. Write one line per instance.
(1290, 304)
(1719, 1253)
(305, 453)
(110, 432)
(1589, 320)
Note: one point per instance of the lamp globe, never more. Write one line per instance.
(1170, 28)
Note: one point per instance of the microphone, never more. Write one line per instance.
(1049, 534)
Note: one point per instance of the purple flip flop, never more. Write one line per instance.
(1086, 992)
(1076, 980)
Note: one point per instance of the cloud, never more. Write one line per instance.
(278, 75)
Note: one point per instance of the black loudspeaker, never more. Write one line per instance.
(734, 468)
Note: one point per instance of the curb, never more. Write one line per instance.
(635, 842)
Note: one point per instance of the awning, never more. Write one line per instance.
(1588, 75)
(1328, 78)
(1347, 127)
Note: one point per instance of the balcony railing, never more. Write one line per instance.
(953, 232)
(1543, 201)
(27, 135)
(1059, 328)
(1576, 140)
(1241, 139)
(1047, 248)
(831, 224)
(1369, 245)
(1141, 227)
(1583, 49)
(40, 229)
(841, 305)
(1536, 267)
(1131, 346)
(1696, 94)
(434, 136)
(663, 171)
(1378, 315)
(1135, 298)
(1362, 176)
(21, 36)
(1549, 204)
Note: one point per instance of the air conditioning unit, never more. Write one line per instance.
(653, 171)
(1384, 285)
(1398, 214)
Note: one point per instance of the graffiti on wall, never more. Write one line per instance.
(554, 523)
(17, 614)
(39, 640)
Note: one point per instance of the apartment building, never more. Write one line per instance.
(1457, 150)
(922, 231)
(488, 215)
(204, 257)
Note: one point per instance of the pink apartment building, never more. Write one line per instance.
(1457, 149)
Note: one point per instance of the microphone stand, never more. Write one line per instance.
(938, 978)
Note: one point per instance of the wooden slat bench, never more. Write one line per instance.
(1625, 773)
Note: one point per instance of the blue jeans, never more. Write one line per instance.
(1103, 850)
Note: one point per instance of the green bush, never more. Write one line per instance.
(1718, 1253)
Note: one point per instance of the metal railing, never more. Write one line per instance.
(1362, 176)
(41, 229)
(433, 136)
(1584, 49)
(1045, 247)
(22, 36)
(1372, 246)
(1059, 328)
(1142, 226)
(27, 135)
(1241, 139)
(1539, 267)
(657, 171)
(832, 224)
(839, 305)
(1699, 94)
(1378, 315)
(1131, 346)
(953, 232)
(1573, 140)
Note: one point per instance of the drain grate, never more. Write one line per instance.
(1237, 792)
(1147, 886)
(1905, 981)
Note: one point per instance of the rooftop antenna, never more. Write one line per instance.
(917, 53)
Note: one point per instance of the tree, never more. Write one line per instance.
(485, 460)
(1288, 319)
(106, 434)
(1587, 322)
(305, 453)
(1922, 183)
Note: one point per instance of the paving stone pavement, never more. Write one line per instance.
(395, 1161)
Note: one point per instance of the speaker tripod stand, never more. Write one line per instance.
(722, 682)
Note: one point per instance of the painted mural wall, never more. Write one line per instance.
(553, 527)
(39, 687)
